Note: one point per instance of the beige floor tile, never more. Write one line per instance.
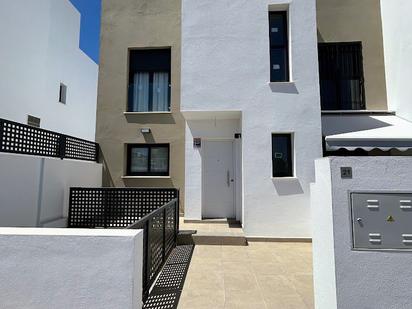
(275, 286)
(287, 302)
(202, 299)
(244, 299)
(210, 280)
(240, 281)
(237, 267)
(272, 268)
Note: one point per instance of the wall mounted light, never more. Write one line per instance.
(145, 130)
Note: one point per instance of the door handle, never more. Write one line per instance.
(228, 178)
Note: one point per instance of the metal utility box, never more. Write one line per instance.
(381, 221)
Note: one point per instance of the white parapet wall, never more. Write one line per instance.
(34, 191)
(70, 268)
(343, 277)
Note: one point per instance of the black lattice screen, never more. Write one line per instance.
(80, 149)
(114, 207)
(19, 138)
(23, 139)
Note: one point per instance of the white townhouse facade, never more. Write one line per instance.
(44, 74)
(250, 98)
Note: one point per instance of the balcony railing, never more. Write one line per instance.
(23, 139)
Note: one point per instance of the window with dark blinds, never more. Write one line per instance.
(341, 76)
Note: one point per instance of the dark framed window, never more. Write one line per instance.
(341, 76)
(279, 47)
(62, 93)
(149, 80)
(282, 162)
(148, 160)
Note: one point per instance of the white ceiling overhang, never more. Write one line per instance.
(364, 131)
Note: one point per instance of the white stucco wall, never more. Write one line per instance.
(71, 268)
(39, 50)
(226, 67)
(34, 191)
(357, 279)
(222, 129)
(397, 39)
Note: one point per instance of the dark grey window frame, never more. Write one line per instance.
(276, 46)
(146, 67)
(281, 174)
(149, 147)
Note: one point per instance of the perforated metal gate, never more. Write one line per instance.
(114, 207)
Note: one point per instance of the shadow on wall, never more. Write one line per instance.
(107, 180)
(154, 118)
(284, 88)
(287, 186)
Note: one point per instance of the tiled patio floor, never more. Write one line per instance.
(222, 229)
(261, 275)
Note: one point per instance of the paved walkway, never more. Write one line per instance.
(222, 229)
(261, 275)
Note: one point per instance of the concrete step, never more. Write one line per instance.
(210, 238)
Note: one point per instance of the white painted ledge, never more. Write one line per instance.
(147, 113)
(146, 177)
(71, 268)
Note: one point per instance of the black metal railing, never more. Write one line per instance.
(160, 229)
(154, 210)
(114, 207)
(24, 139)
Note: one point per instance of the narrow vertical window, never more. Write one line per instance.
(282, 162)
(279, 51)
(62, 93)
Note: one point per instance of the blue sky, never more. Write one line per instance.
(90, 26)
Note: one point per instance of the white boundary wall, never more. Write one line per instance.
(34, 191)
(356, 279)
(397, 37)
(39, 50)
(226, 67)
(70, 268)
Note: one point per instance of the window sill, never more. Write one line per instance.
(146, 113)
(281, 83)
(283, 87)
(146, 177)
(285, 178)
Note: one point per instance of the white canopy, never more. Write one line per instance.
(366, 131)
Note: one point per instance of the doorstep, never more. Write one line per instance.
(211, 232)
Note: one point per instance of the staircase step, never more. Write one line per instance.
(211, 239)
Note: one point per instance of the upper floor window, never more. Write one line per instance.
(279, 47)
(341, 76)
(62, 93)
(149, 80)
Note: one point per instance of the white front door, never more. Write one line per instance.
(218, 180)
